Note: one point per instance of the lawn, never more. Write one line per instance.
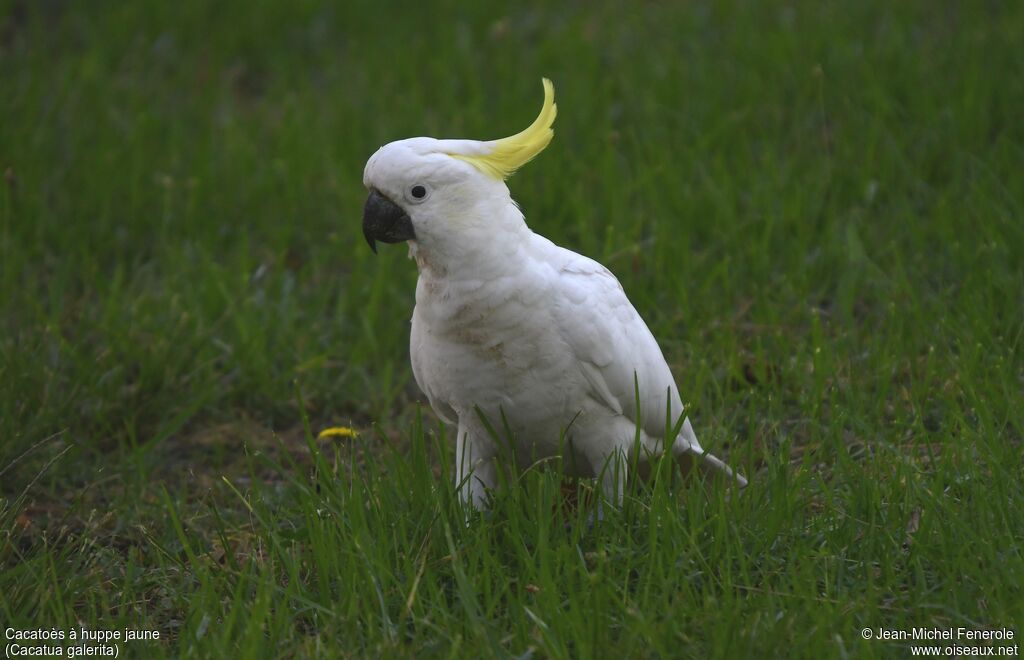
(817, 207)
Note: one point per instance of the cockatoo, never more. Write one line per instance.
(511, 328)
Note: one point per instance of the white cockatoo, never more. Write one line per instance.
(511, 328)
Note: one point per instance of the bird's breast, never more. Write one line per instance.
(491, 345)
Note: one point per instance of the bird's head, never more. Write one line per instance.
(428, 191)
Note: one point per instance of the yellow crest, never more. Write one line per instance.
(509, 154)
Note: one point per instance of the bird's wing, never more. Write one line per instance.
(611, 342)
(614, 346)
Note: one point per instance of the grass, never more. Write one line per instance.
(816, 206)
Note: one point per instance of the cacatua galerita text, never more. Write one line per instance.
(511, 328)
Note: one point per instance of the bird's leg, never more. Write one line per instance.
(475, 471)
(613, 468)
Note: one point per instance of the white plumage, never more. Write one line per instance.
(509, 325)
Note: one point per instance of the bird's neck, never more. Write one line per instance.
(485, 247)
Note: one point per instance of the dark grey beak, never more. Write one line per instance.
(383, 220)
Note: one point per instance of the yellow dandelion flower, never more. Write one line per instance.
(338, 432)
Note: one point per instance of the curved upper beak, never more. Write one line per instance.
(383, 220)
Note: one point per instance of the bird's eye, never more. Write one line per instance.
(418, 192)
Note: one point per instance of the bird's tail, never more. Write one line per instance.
(711, 465)
(689, 454)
